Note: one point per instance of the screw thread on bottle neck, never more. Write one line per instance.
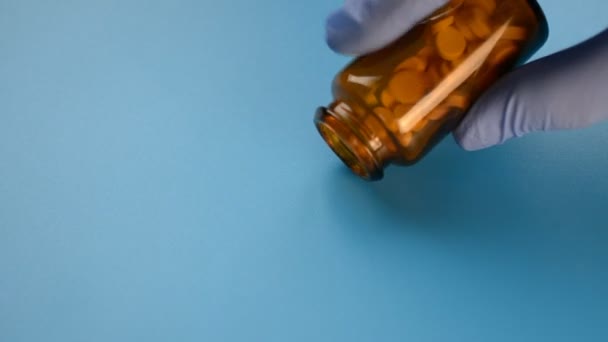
(355, 139)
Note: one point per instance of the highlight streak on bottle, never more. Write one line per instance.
(363, 80)
(450, 83)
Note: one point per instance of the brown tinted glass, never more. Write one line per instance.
(394, 105)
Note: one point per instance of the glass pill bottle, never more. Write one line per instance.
(393, 105)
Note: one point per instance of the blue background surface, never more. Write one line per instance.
(161, 180)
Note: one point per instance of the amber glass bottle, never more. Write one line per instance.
(394, 105)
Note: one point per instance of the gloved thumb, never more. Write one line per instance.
(564, 91)
(364, 26)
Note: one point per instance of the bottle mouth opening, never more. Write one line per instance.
(347, 145)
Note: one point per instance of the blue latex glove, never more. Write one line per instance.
(564, 91)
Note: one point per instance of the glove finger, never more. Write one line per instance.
(567, 90)
(364, 26)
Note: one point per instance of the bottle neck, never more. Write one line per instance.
(358, 139)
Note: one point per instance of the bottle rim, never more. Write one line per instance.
(350, 148)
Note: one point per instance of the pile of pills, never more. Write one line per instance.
(448, 41)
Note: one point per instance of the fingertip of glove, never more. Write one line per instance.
(468, 137)
(466, 142)
(342, 33)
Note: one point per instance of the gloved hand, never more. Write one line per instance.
(564, 91)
